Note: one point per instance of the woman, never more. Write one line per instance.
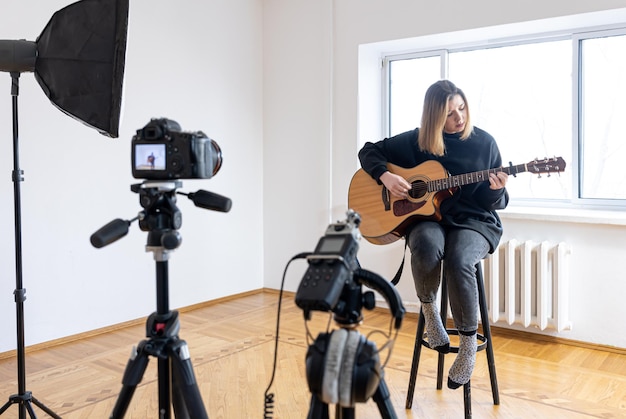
(469, 228)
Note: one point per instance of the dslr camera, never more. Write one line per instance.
(161, 151)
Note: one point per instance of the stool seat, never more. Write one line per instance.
(484, 343)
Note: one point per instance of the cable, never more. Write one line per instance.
(268, 403)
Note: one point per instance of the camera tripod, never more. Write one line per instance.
(177, 382)
(177, 385)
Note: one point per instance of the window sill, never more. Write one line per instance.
(564, 215)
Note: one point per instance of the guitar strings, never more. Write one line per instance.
(418, 189)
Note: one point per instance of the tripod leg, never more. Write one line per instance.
(45, 409)
(178, 398)
(185, 384)
(5, 406)
(133, 374)
(318, 409)
(344, 412)
(382, 399)
(30, 410)
(165, 388)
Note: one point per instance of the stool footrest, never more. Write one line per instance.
(482, 341)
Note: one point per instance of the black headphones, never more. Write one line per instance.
(388, 291)
(343, 367)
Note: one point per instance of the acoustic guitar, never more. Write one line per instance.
(384, 217)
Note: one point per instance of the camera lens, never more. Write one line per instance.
(216, 157)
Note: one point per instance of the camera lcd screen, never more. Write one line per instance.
(331, 245)
(150, 157)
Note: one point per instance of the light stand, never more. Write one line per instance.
(78, 61)
(23, 398)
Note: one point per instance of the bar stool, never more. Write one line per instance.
(484, 343)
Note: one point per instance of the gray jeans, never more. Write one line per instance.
(460, 250)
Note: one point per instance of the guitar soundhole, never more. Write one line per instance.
(418, 189)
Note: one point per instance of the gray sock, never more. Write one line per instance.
(438, 338)
(461, 370)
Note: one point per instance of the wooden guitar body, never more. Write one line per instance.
(384, 218)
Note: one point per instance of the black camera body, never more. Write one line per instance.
(161, 151)
(330, 266)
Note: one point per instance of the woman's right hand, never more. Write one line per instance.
(397, 185)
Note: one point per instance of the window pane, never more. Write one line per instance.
(603, 108)
(408, 81)
(522, 96)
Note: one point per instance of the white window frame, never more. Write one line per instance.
(577, 140)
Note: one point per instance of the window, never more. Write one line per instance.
(603, 108)
(408, 81)
(559, 97)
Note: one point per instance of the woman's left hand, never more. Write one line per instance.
(498, 180)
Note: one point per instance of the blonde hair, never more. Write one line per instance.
(430, 137)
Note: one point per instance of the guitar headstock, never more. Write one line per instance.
(546, 165)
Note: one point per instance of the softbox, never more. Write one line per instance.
(78, 61)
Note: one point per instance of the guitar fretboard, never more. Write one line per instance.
(474, 177)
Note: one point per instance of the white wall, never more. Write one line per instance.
(297, 132)
(275, 82)
(597, 280)
(199, 63)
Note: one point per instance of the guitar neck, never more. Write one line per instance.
(473, 177)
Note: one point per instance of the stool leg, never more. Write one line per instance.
(444, 319)
(467, 399)
(484, 316)
(417, 350)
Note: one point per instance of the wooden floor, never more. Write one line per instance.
(232, 348)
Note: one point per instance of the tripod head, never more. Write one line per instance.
(160, 216)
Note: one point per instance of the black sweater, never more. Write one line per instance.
(475, 205)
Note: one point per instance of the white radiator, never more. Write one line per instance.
(527, 283)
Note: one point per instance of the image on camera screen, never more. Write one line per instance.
(150, 157)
